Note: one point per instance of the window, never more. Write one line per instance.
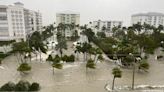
(20, 12)
(2, 9)
(3, 17)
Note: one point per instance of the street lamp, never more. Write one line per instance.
(133, 70)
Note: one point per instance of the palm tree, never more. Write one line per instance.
(160, 28)
(143, 65)
(138, 27)
(78, 50)
(36, 43)
(61, 43)
(21, 48)
(90, 64)
(56, 63)
(5, 44)
(147, 27)
(117, 73)
(85, 49)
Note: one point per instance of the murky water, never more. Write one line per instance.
(74, 77)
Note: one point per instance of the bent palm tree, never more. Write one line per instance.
(117, 74)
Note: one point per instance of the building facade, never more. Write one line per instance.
(68, 17)
(106, 25)
(16, 22)
(151, 18)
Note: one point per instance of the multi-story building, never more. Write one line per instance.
(68, 17)
(16, 22)
(151, 18)
(106, 25)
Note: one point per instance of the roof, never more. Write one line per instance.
(18, 3)
(148, 14)
(68, 12)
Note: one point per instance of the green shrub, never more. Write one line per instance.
(57, 65)
(49, 58)
(90, 64)
(10, 86)
(71, 58)
(0, 61)
(22, 86)
(64, 58)
(24, 67)
(34, 87)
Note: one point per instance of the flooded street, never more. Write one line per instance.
(74, 77)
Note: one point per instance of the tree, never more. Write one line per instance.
(85, 49)
(24, 67)
(6, 43)
(75, 35)
(103, 28)
(138, 27)
(21, 48)
(101, 34)
(143, 65)
(36, 43)
(61, 43)
(90, 64)
(117, 73)
(56, 63)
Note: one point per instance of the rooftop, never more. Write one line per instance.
(149, 14)
(68, 12)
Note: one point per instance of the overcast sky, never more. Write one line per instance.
(91, 10)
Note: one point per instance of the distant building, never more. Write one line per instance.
(16, 22)
(108, 25)
(68, 17)
(151, 18)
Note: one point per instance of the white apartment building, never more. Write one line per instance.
(107, 24)
(16, 22)
(152, 18)
(68, 17)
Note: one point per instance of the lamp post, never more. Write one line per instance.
(133, 70)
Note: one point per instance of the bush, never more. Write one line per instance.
(159, 57)
(34, 87)
(64, 58)
(0, 61)
(24, 67)
(49, 58)
(71, 58)
(22, 86)
(90, 64)
(10, 86)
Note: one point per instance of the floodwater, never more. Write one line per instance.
(74, 77)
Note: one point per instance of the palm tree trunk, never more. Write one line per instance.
(84, 56)
(61, 52)
(53, 70)
(113, 83)
(5, 51)
(40, 56)
(95, 59)
(36, 57)
(77, 55)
